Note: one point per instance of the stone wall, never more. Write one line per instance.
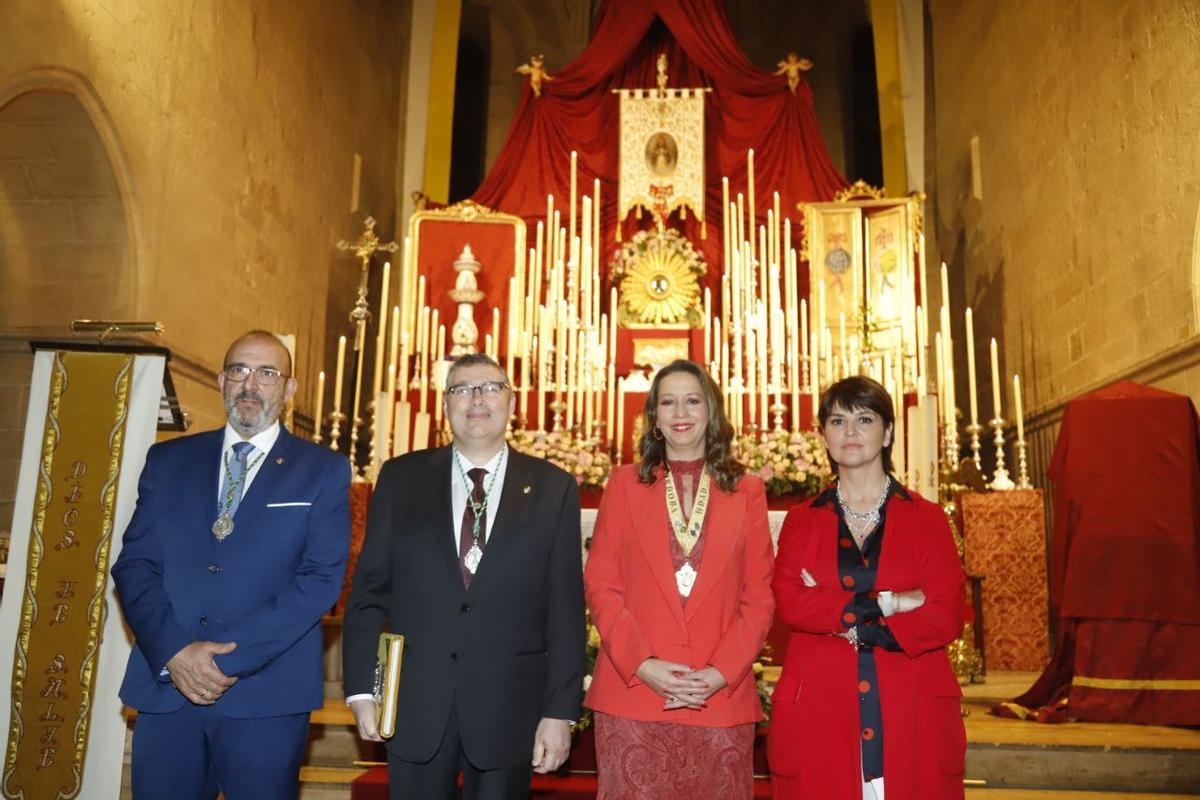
(1080, 255)
(230, 132)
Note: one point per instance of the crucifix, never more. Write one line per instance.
(368, 244)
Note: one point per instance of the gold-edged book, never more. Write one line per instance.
(387, 681)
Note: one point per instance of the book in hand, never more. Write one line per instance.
(387, 681)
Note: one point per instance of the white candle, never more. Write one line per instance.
(1019, 408)
(320, 405)
(339, 374)
(380, 340)
(971, 367)
(995, 378)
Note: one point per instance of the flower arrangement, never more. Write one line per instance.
(583, 458)
(788, 463)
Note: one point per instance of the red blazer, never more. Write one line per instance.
(814, 736)
(630, 583)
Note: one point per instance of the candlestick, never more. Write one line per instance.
(339, 373)
(619, 448)
(1019, 413)
(317, 419)
(1000, 481)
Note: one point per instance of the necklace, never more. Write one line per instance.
(864, 521)
(687, 532)
(478, 510)
(223, 526)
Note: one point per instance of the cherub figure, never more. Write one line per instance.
(792, 66)
(661, 66)
(536, 70)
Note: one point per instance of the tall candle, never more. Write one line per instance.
(750, 192)
(1018, 408)
(320, 406)
(574, 194)
(380, 341)
(340, 374)
(940, 359)
(620, 444)
(610, 396)
(707, 325)
(971, 366)
(995, 378)
(814, 375)
(922, 342)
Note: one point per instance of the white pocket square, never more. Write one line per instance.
(286, 505)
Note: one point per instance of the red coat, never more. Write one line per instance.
(631, 592)
(814, 735)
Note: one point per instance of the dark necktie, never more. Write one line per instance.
(465, 538)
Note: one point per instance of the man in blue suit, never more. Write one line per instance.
(235, 551)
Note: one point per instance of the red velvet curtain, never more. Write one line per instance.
(748, 108)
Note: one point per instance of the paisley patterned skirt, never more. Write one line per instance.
(638, 760)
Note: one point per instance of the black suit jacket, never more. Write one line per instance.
(505, 653)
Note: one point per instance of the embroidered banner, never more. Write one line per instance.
(63, 597)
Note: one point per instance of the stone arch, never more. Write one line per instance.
(69, 231)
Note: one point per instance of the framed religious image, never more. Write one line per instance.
(889, 274)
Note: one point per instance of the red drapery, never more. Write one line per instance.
(1125, 565)
(748, 108)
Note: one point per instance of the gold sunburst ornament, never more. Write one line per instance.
(659, 277)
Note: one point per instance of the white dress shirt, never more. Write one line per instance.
(460, 490)
(262, 441)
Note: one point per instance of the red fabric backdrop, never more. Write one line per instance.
(1125, 561)
(748, 108)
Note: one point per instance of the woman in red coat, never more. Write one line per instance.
(868, 579)
(678, 580)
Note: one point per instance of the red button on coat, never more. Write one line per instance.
(847, 581)
(844, 542)
(848, 617)
(864, 687)
(868, 734)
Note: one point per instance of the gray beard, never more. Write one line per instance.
(253, 425)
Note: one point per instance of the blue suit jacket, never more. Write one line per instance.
(265, 587)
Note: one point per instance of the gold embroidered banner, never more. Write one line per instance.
(62, 612)
(662, 151)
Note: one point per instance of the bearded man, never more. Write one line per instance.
(235, 551)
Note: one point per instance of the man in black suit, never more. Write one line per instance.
(473, 553)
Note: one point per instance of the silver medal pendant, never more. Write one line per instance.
(472, 558)
(222, 527)
(685, 579)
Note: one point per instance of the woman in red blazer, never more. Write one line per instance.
(868, 579)
(678, 580)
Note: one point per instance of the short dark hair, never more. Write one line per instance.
(718, 435)
(475, 360)
(258, 333)
(858, 393)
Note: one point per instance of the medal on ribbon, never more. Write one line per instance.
(687, 531)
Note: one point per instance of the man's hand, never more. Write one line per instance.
(196, 675)
(551, 744)
(364, 718)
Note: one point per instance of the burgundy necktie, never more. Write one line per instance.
(465, 538)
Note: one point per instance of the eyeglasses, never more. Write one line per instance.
(486, 389)
(267, 376)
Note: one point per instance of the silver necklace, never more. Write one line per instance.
(864, 520)
(475, 554)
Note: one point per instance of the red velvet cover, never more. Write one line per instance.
(1125, 561)
(748, 108)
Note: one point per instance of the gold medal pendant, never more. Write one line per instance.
(222, 527)
(685, 579)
